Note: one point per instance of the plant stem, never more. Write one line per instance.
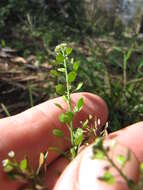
(124, 71)
(67, 86)
(126, 57)
(69, 100)
(30, 96)
(5, 110)
(119, 171)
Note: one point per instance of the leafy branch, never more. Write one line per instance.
(32, 179)
(102, 153)
(69, 68)
(35, 179)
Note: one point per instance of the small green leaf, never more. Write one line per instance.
(23, 165)
(73, 152)
(60, 89)
(121, 159)
(99, 154)
(98, 144)
(54, 73)
(3, 43)
(78, 136)
(61, 70)
(68, 50)
(62, 118)
(76, 66)
(71, 76)
(66, 117)
(141, 167)
(79, 86)
(79, 105)
(59, 106)
(108, 178)
(72, 60)
(60, 58)
(8, 168)
(6, 162)
(84, 125)
(58, 133)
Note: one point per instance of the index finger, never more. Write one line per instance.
(30, 132)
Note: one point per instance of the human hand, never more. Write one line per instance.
(30, 133)
(83, 173)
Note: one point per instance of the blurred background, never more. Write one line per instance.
(106, 37)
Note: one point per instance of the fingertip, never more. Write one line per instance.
(94, 105)
(131, 137)
(54, 171)
(83, 172)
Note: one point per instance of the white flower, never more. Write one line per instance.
(11, 154)
(60, 47)
(5, 162)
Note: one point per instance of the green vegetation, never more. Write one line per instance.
(101, 152)
(63, 60)
(32, 179)
(69, 67)
(21, 170)
(111, 62)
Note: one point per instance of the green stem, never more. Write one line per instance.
(5, 110)
(67, 85)
(126, 57)
(31, 96)
(69, 101)
(124, 71)
(119, 171)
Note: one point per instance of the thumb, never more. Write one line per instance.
(84, 172)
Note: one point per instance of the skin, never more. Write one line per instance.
(132, 138)
(83, 172)
(30, 132)
(35, 125)
(76, 175)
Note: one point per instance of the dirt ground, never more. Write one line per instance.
(19, 77)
